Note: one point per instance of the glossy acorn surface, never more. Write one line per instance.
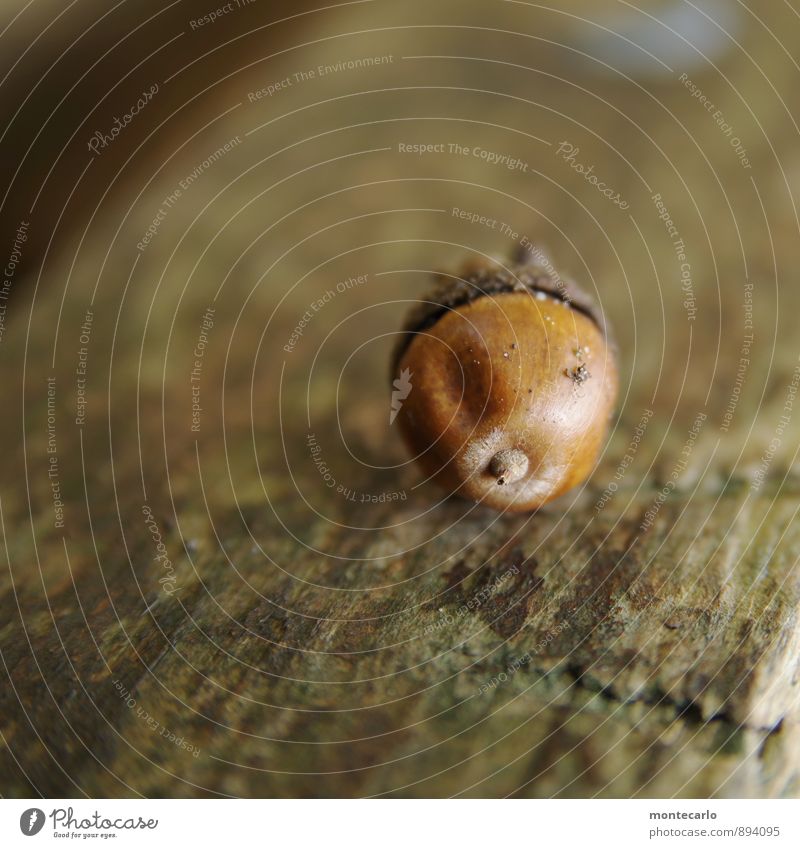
(513, 385)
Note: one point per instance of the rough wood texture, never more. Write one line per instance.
(300, 641)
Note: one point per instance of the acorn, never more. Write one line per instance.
(505, 380)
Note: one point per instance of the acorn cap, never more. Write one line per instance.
(480, 280)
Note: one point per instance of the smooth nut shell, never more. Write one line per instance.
(511, 371)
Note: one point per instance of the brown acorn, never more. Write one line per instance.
(506, 380)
